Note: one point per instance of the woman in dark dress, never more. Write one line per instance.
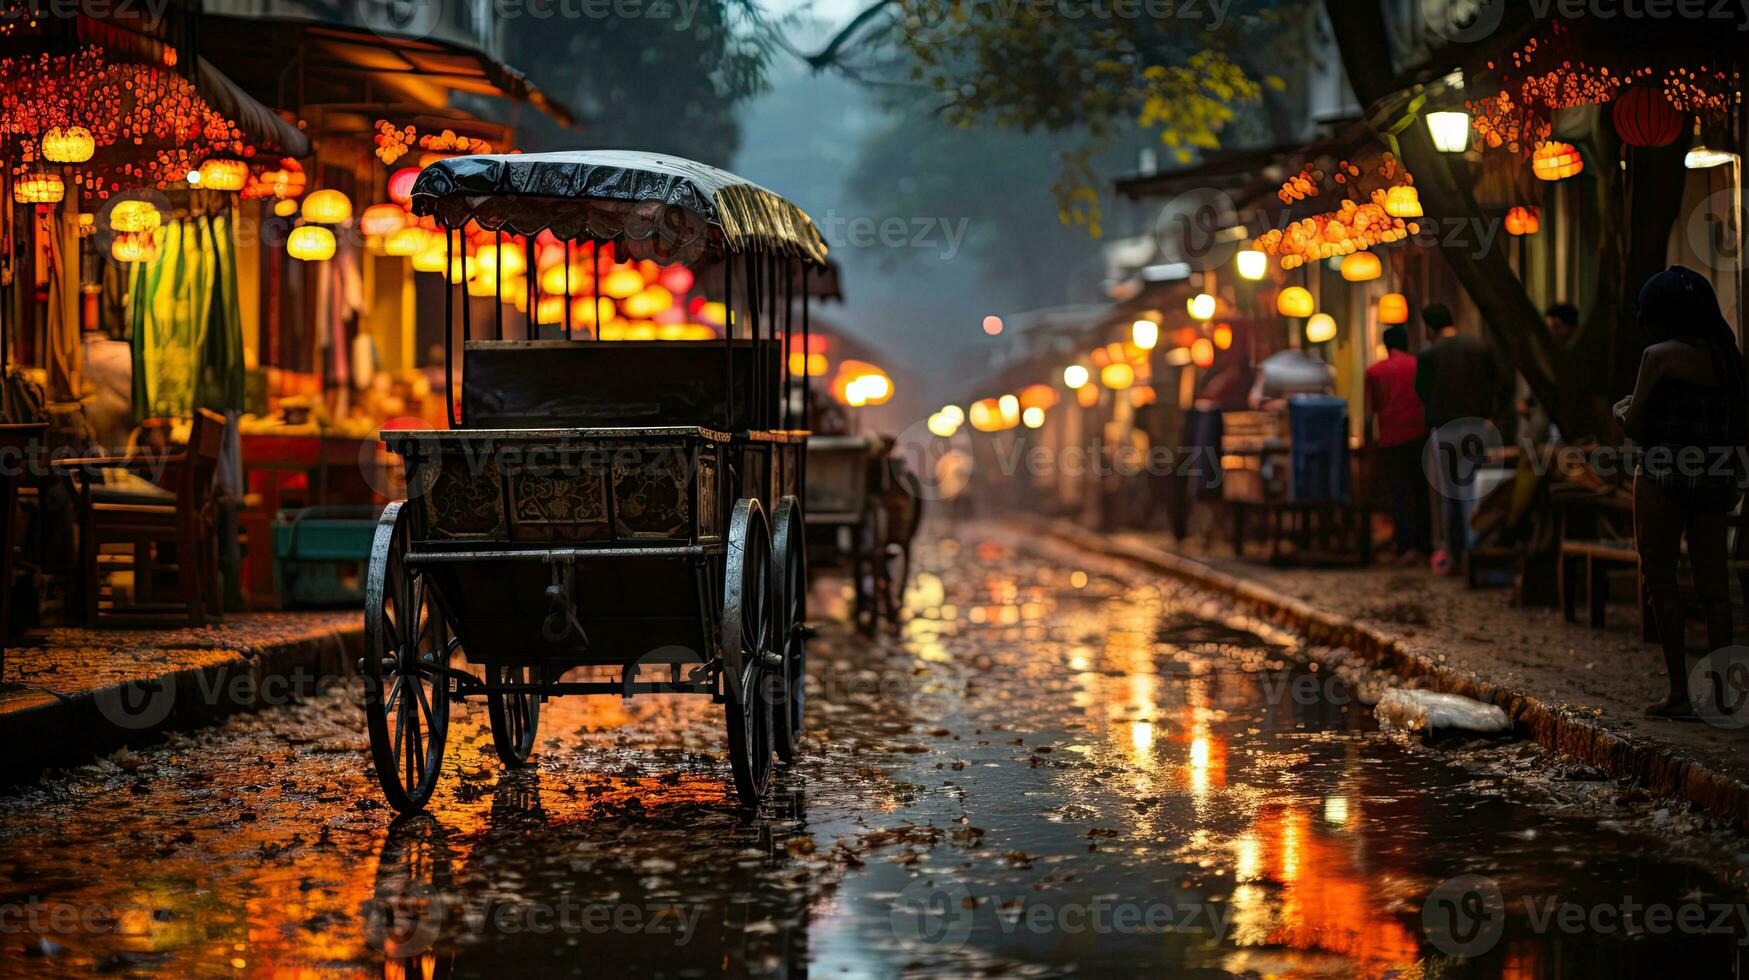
(1687, 411)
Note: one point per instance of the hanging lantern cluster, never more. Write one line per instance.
(1351, 228)
(62, 106)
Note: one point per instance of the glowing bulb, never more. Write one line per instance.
(1321, 328)
(1145, 334)
(1202, 306)
(1252, 264)
(1075, 377)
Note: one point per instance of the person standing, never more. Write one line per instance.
(1462, 388)
(1399, 442)
(1688, 412)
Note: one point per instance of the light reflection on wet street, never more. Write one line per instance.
(1060, 766)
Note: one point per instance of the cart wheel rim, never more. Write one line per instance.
(789, 563)
(514, 717)
(748, 633)
(408, 644)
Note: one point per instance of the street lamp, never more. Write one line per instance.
(1202, 306)
(1145, 334)
(1450, 131)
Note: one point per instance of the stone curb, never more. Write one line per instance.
(1661, 770)
(64, 730)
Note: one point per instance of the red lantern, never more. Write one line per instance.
(401, 185)
(1644, 117)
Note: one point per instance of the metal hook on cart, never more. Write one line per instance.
(561, 619)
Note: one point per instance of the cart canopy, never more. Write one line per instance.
(650, 205)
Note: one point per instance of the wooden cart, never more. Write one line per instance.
(627, 507)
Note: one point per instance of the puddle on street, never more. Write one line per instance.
(1057, 767)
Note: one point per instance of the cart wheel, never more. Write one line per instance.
(895, 569)
(407, 643)
(865, 571)
(789, 560)
(749, 638)
(515, 717)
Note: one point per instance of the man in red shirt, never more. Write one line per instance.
(1399, 442)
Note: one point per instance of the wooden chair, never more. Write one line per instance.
(17, 442)
(177, 508)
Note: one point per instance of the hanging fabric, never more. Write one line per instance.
(60, 233)
(187, 327)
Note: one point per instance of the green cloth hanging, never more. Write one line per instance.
(187, 328)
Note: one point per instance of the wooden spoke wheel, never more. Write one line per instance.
(789, 562)
(408, 644)
(749, 648)
(515, 717)
(867, 571)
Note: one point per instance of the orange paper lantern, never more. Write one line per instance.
(1361, 267)
(1554, 160)
(1393, 308)
(1295, 301)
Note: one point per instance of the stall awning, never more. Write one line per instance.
(315, 63)
(260, 125)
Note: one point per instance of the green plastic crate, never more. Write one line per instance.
(320, 555)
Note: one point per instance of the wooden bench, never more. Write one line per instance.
(1597, 558)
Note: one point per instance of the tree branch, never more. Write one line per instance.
(829, 54)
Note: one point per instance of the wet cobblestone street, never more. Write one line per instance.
(1059, 765)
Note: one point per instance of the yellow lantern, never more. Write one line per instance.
(1403, 201)
(327, 207)
(1361, 267)
(310, 243)
(285, 208)
(1075, 377)
(1321, 328)
(1223, 336)
(1294, 301)
(1554, 160)
(1145, 334)
(587, 313)
(1393, 308)
(38, 188)
(505, 259)
(1202, 306)
(72, 144)
(648, 302)
(1450, 131)
(382, 219)
(223, 174)
(429, 258)
(550, 309)
(558, 280)
(1117, 375)
(408, 241)
(1252, 264)
(134, 215)
(134, 246)
(622, 283)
